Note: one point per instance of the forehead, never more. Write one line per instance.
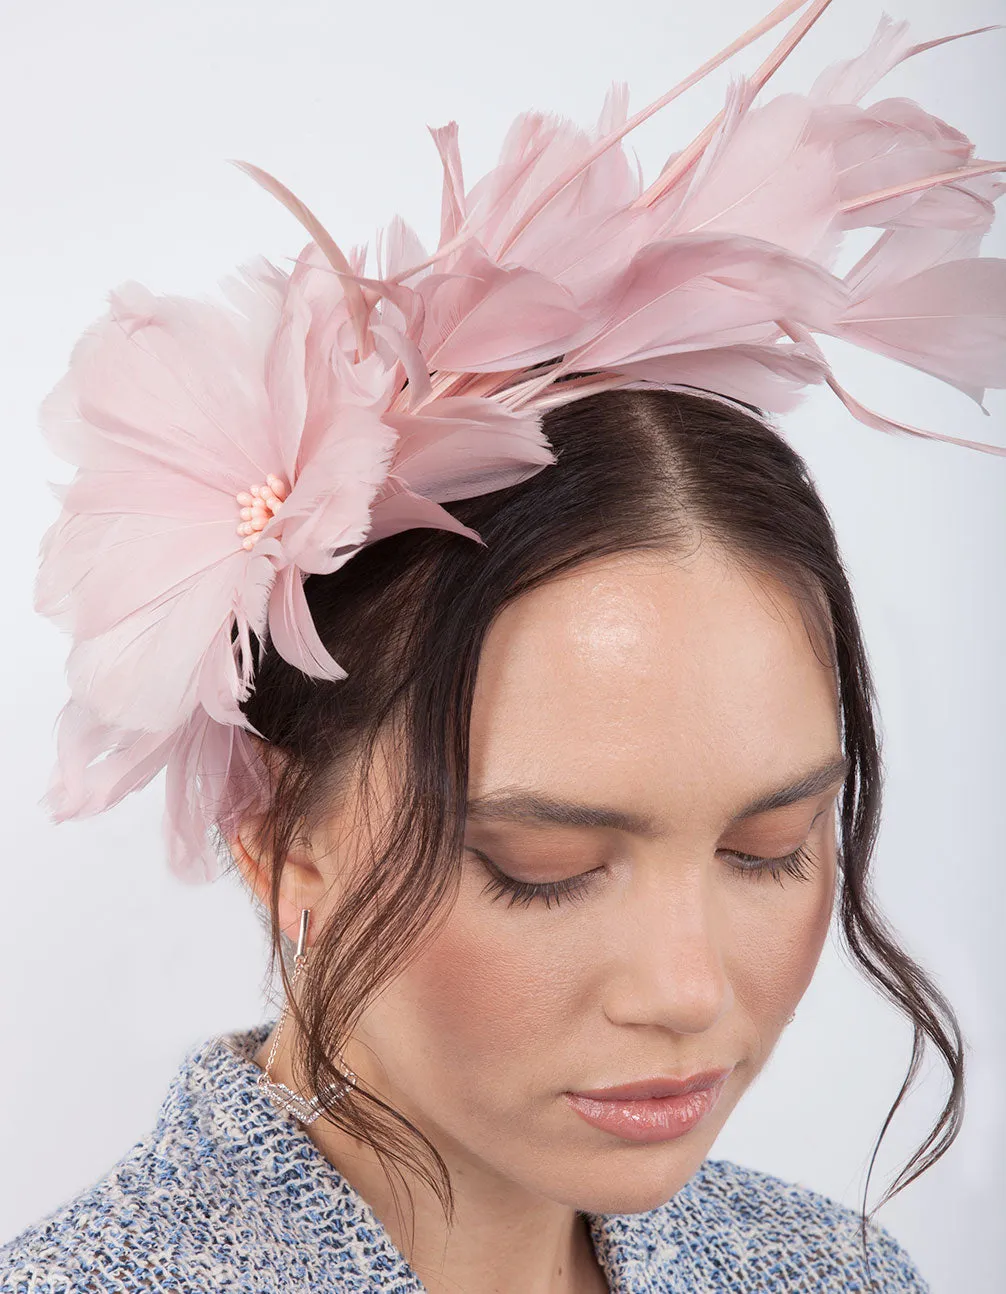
(656, 680)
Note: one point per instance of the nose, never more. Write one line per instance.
(667, 964)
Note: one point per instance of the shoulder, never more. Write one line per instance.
(90, 1242)
(124, 1233)
(737, 1229)
(224, 1193)
(150, 1223)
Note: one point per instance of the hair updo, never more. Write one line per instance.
(407, 616)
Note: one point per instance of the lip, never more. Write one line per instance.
(645, 1088)
(651, 1109)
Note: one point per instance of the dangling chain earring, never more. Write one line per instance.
(283, 1097)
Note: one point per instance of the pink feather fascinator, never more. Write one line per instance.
(226, 451)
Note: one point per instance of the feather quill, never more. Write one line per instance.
(357, 305)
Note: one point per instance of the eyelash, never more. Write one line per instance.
(796, 865)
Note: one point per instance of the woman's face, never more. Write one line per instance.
(627, 716)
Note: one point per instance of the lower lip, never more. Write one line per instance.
(660, 1118)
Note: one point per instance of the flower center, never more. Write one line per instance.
(258, 507)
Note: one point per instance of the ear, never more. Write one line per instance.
(302, 884)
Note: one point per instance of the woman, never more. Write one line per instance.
(558, 819)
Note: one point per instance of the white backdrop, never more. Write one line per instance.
(117, 120)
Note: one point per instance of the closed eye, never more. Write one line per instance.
(798, 864)
(500, 885)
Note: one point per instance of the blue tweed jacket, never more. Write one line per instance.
(228, 1194)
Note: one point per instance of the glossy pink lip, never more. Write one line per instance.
(652, 1109)
(646, 1088)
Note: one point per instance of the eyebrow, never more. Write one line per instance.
(531, 808)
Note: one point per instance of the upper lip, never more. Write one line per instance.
(648, 1088)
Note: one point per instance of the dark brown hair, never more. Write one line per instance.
(407, 617)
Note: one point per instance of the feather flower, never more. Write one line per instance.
(223, 455)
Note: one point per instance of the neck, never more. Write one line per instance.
(502, 1238)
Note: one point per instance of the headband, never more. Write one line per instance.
(226, 451)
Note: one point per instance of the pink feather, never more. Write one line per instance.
(949, 320)
(701, 290)
(293, 631)
(400, 509)
(458, 447)
(868, 416)
(769, 155)
(453, 206)
(483, 318)
(770, 377)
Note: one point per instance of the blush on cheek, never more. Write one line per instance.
(776, 942)
(807, 938)
(484, 997)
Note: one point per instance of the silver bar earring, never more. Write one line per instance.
(306, 1109)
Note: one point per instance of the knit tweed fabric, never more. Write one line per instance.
(227, 1193)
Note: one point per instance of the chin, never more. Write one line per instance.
(631, 1179)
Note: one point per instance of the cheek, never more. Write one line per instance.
(494, 993)
(776, 941)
